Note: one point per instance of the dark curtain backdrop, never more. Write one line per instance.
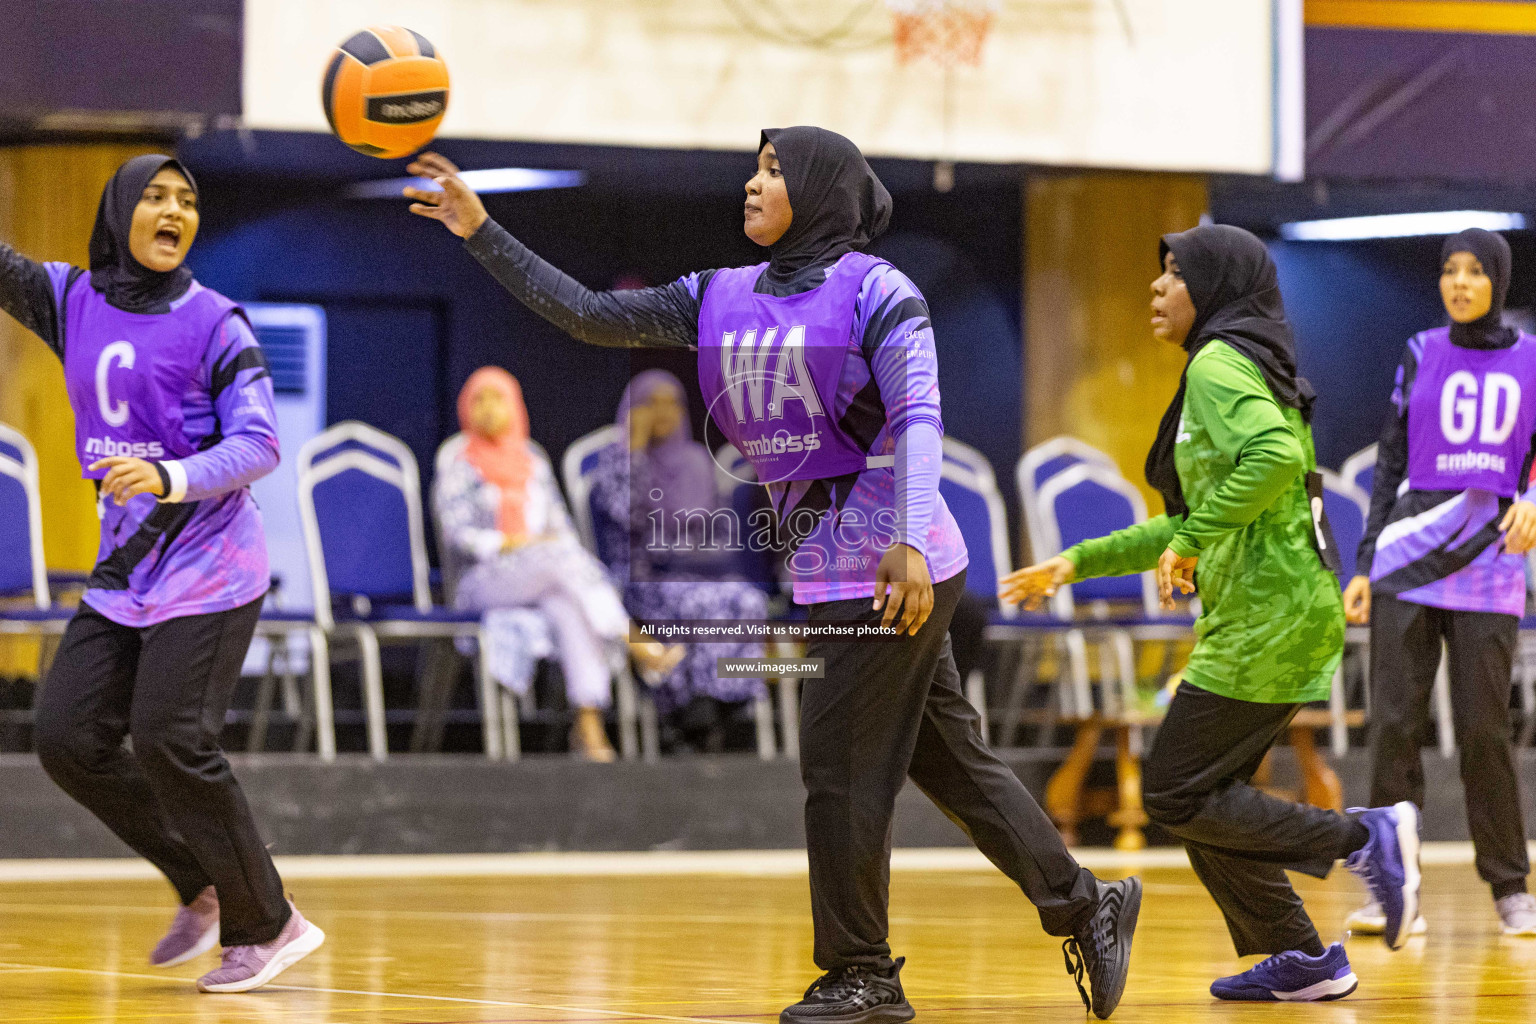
(1354, 306)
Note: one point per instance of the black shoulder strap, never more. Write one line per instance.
(1322, 533)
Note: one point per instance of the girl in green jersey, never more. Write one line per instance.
(1232, 460)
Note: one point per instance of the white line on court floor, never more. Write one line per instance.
(594, 1010)
(765, 863)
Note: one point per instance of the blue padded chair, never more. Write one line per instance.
(22, 572)
(969, 488)
(1085, 501)
(962, 454)
(1347, 507)
(576, 468)
(1038, 465)
(276, 625)
(1082, 501)
(1359, 470)
(360, 509)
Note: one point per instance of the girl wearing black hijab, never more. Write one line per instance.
(819, 366)
(1451, 520)
(174, 421)
(1232, 459)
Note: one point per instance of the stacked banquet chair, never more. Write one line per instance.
(969, 487)
(1077, 493)
(29, 610)
(638, 734)
(313, 712)
(1359, 470)
(360, 508)
(1075, 701)
(23, 577)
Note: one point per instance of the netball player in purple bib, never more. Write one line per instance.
(819, 366)
(1451, 520)
(173, 420)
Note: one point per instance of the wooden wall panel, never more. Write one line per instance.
(1091, 365)
(48, 199)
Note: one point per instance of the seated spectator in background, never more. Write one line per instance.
(643, 482)
(506, 522)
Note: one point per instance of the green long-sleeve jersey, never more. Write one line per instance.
(1271, 625)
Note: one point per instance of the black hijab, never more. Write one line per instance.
(839, 205)
(1492, 251)
(128, 284)
(1236, 293)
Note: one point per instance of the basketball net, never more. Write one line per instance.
(950, 32)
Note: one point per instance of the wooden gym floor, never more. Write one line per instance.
(597, 947)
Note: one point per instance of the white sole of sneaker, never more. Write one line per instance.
(312, 939)
(1518, 931)
(1335, 988)
(1375, 926)
(1408, 845)
(209, 940)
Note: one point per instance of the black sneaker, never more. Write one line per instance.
(1103, 947)
(853, 995)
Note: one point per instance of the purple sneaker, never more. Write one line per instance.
(1389, 865)
(248, 967)
(194, 932)
(1291, 977)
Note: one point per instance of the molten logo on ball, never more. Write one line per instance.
(385, 91)
(423, 106)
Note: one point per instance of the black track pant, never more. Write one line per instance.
(1405, 655)
(173, 799)
(886, 711)
(1240, 840)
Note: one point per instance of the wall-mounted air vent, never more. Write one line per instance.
(287, 351)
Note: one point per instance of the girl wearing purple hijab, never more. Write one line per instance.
(660, 474)
(1443, 558)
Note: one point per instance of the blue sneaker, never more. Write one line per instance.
(1291, 977)
(1388, 863)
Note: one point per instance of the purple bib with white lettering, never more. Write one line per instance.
(127, 372)
(770, 366)
(1470, 415)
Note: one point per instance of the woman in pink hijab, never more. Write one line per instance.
(506, 525)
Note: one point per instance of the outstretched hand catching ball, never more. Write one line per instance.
(457, 205)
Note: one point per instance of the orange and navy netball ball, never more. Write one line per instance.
(385, 91)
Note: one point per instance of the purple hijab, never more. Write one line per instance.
(677, 465)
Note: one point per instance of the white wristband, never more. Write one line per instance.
(178, 474)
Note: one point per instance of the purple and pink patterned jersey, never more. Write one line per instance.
(881, 399)
(824, 391)
(188, 389)
(1454, 455)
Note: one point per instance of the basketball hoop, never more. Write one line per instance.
(950, 32)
